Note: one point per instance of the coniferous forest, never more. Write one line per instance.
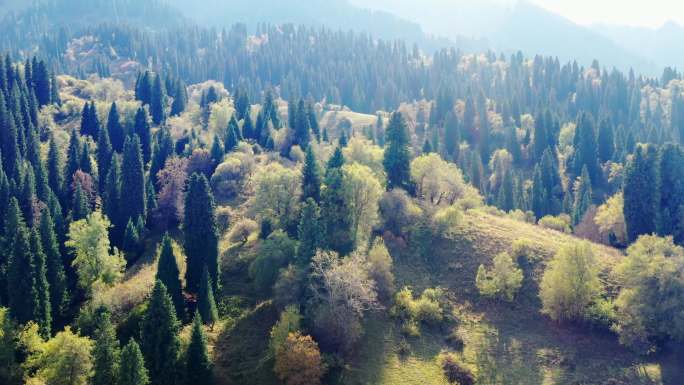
(296, 204)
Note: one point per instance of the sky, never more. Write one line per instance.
(651, 13)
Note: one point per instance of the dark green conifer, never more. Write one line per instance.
(336, 218)
(117, 135)
(641, 193)
(160, 344)
(132, 370)
(158, 102)
(583, 196)
(142, 129)
(201, 234)
(106, 353)
(397, 155)
(169, 274)
(311, 179)
(198, 369)
(132, 181)
(42, 311)
(309, 232)
(56, 277)
(206, 305)
(104, 159)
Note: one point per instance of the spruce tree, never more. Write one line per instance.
(160, 344)
(583, 196)
(232, 139)
(505, 197)
(313, 121)
(586, 148)
(169, 274)
(217, 151)
(85, 163)
(180, 99)
(302, 126)
(111, 200)
(21, 283)
(56, 277)
(163, 149)
(142, 129)
(606, 141)
(42, 311)
(117, 135)
(143, 88)
(80, 208)
(233, 125)
(106, 353)
(198, 368)
(55, 168)
(132, 180)
(248, 130)
(73, 159)
(104, 158)
(206, 305)
(311, 180)
(132, 370)
(641, 193)
(336, 218)
(158, 102)
(131, 242)
(309, 231)
(397, 155)
(201, 234)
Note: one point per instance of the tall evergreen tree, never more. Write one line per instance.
(586, 148)
(198, 368)
(42, 311)
(158, 102)
(163, 149)
(132, 181)
(56, 276)
(201, 234)
(142, 129)
(311, 180)
(336, 218)
(21, 283)
(302, 126)
(55, 168)
(180, 99)
(169, 274)
(73, 159)
(583, 196)
(111, 200)
(160, 344)
(606, 140)
(641, 193)
(206, 304)
(232, 139)
(104, 158)
(671, 191)
(117, 135)
(143, 88)
(397, 155)
(505, 197)
(309, 233)
(132, 371)
(106, 353)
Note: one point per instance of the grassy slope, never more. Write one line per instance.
(504, 343)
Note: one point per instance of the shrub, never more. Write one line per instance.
(429, 308)
(242, 230)
(380, 269)
(289, 288)
(503, 281)
(398, 211)
(455, 371)
(274, 253)
(570, 282)
(299, 362)
(447, 220)
(559, 223)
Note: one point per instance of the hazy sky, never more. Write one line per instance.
(651, 13)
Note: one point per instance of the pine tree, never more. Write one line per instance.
(583, 196)
(85, 163)
(201, 234)
(336, 218)
(132, 180)
(302, 126)
(117, 135)
(397, 156)
(160, 344)
(73, 159)
(158, 102)
(505, 196)
(169, 275)
(55, 168)
(80, 208)
(56, 276)
(143, 88)
(641, 193)
(132, 371)
(586, 148)
(311, 180)
(217, 150)
(142, 129)
(206, 305)
(104, 158)
(131, 242)
(248, 130)
(21, 283)
(233, 125)
(106, 353)
(309, 233)
(539, 194)
(232, 139)
(606, 141)
(180, 99)
(198, 369)
(42, 311)
(111, 200)
(163, 149)
(313, 121)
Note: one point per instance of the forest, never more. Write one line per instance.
(288, 204)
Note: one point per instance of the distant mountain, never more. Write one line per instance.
(333, 14)
(662, 45)
(511, 25)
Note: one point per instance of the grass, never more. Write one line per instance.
(503, 343)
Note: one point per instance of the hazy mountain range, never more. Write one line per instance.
(501, 25)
